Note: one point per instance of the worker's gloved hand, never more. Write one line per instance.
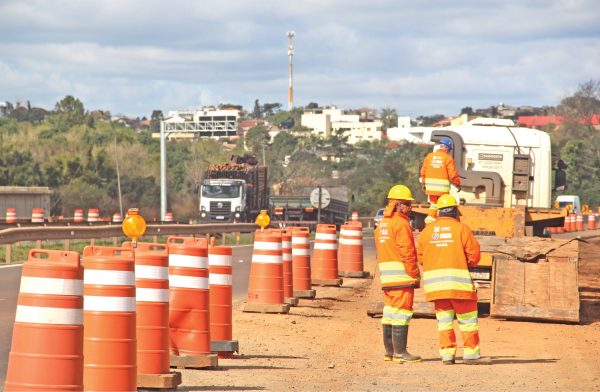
(424, 187)
(458, 188)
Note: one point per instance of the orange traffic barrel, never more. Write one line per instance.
(152, 307)
(286, 251)
(109, 338)
(301, 279)
(221, 296)
(324, 259)
(37, 215)
(93, 215)
(117, 218)
(354, 217)
(11, 215)
(266, 271)
(567, 224)
(350, 252)
(168, 217)
(579, 222)
(47, 341)
(78, 216)
(591, 224)
(189, 311)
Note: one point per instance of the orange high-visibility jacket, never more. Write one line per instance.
(437, 171)
(396, 253)
(446, 250)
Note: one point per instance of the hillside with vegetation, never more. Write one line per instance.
(83, 156)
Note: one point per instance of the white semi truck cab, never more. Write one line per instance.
(222, 200)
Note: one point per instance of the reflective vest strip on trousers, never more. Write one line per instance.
(393, 274)
(447, 279)
(396, 316)
(437, 185)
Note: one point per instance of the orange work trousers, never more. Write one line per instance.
(398, 306)
(465, 311)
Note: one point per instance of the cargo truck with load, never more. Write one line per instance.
(234, 191)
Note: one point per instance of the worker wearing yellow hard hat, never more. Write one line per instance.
(397, 257)
(447, 248)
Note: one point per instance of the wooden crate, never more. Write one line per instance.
(546, 289)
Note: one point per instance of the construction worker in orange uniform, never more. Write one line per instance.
(399, 273)
(437, 172)
(447, 248)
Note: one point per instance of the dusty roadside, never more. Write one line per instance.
(329, 344)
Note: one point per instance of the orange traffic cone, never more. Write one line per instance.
(189, 312)
(220, 283)
(47, 342)
(265, 289)
(109, 347)
(350, 252)
(301, 280)
(324, 267)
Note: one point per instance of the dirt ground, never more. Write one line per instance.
(330, 344)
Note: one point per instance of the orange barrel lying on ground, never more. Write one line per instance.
(266, 272)
(11, 215)
(152, 303)
(220, 283)
(47, 342)
(350, 252)
(189, 312)
(109, 338)
(286, 253)
(324, 258)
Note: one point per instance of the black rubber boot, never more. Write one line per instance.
(399, 338)
(388, 343)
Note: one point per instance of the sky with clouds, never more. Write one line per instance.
(419, 57)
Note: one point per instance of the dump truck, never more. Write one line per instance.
(234, 191)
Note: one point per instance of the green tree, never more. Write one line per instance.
(389, 118)
(67, 113)
(155, 119)
(257, 138)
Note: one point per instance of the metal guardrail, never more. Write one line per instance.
(11, 236)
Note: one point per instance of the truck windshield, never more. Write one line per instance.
(220, 191)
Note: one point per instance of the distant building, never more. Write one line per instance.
(3, 109)
(324, 122)
(201, 123)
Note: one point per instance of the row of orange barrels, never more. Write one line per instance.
(122, 312)
(577, 222)
(98, 322)
(38, 215)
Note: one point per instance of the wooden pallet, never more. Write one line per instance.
(307, 294)
(354, 274)
(263, 308)
(159, 381)
(228, 346)
(292, 301)
(199, 361)
(327, 282)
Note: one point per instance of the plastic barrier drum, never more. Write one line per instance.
(265, 288)
(350, 252)
(152, 306)
(579, 222)
(591, 221)
(109, 346)
(168, 217)
(301, 279)
(11, 215)
(93, 215)
(78, 216)
(189, 317)
(37, 215)
(220, 282)
(117, 218)
(324, 259)
(286, 252)
(47, 342)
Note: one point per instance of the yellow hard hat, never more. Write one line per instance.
(400, 192)
(446, 201)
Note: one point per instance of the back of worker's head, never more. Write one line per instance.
(446, 143)
(447, 206)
